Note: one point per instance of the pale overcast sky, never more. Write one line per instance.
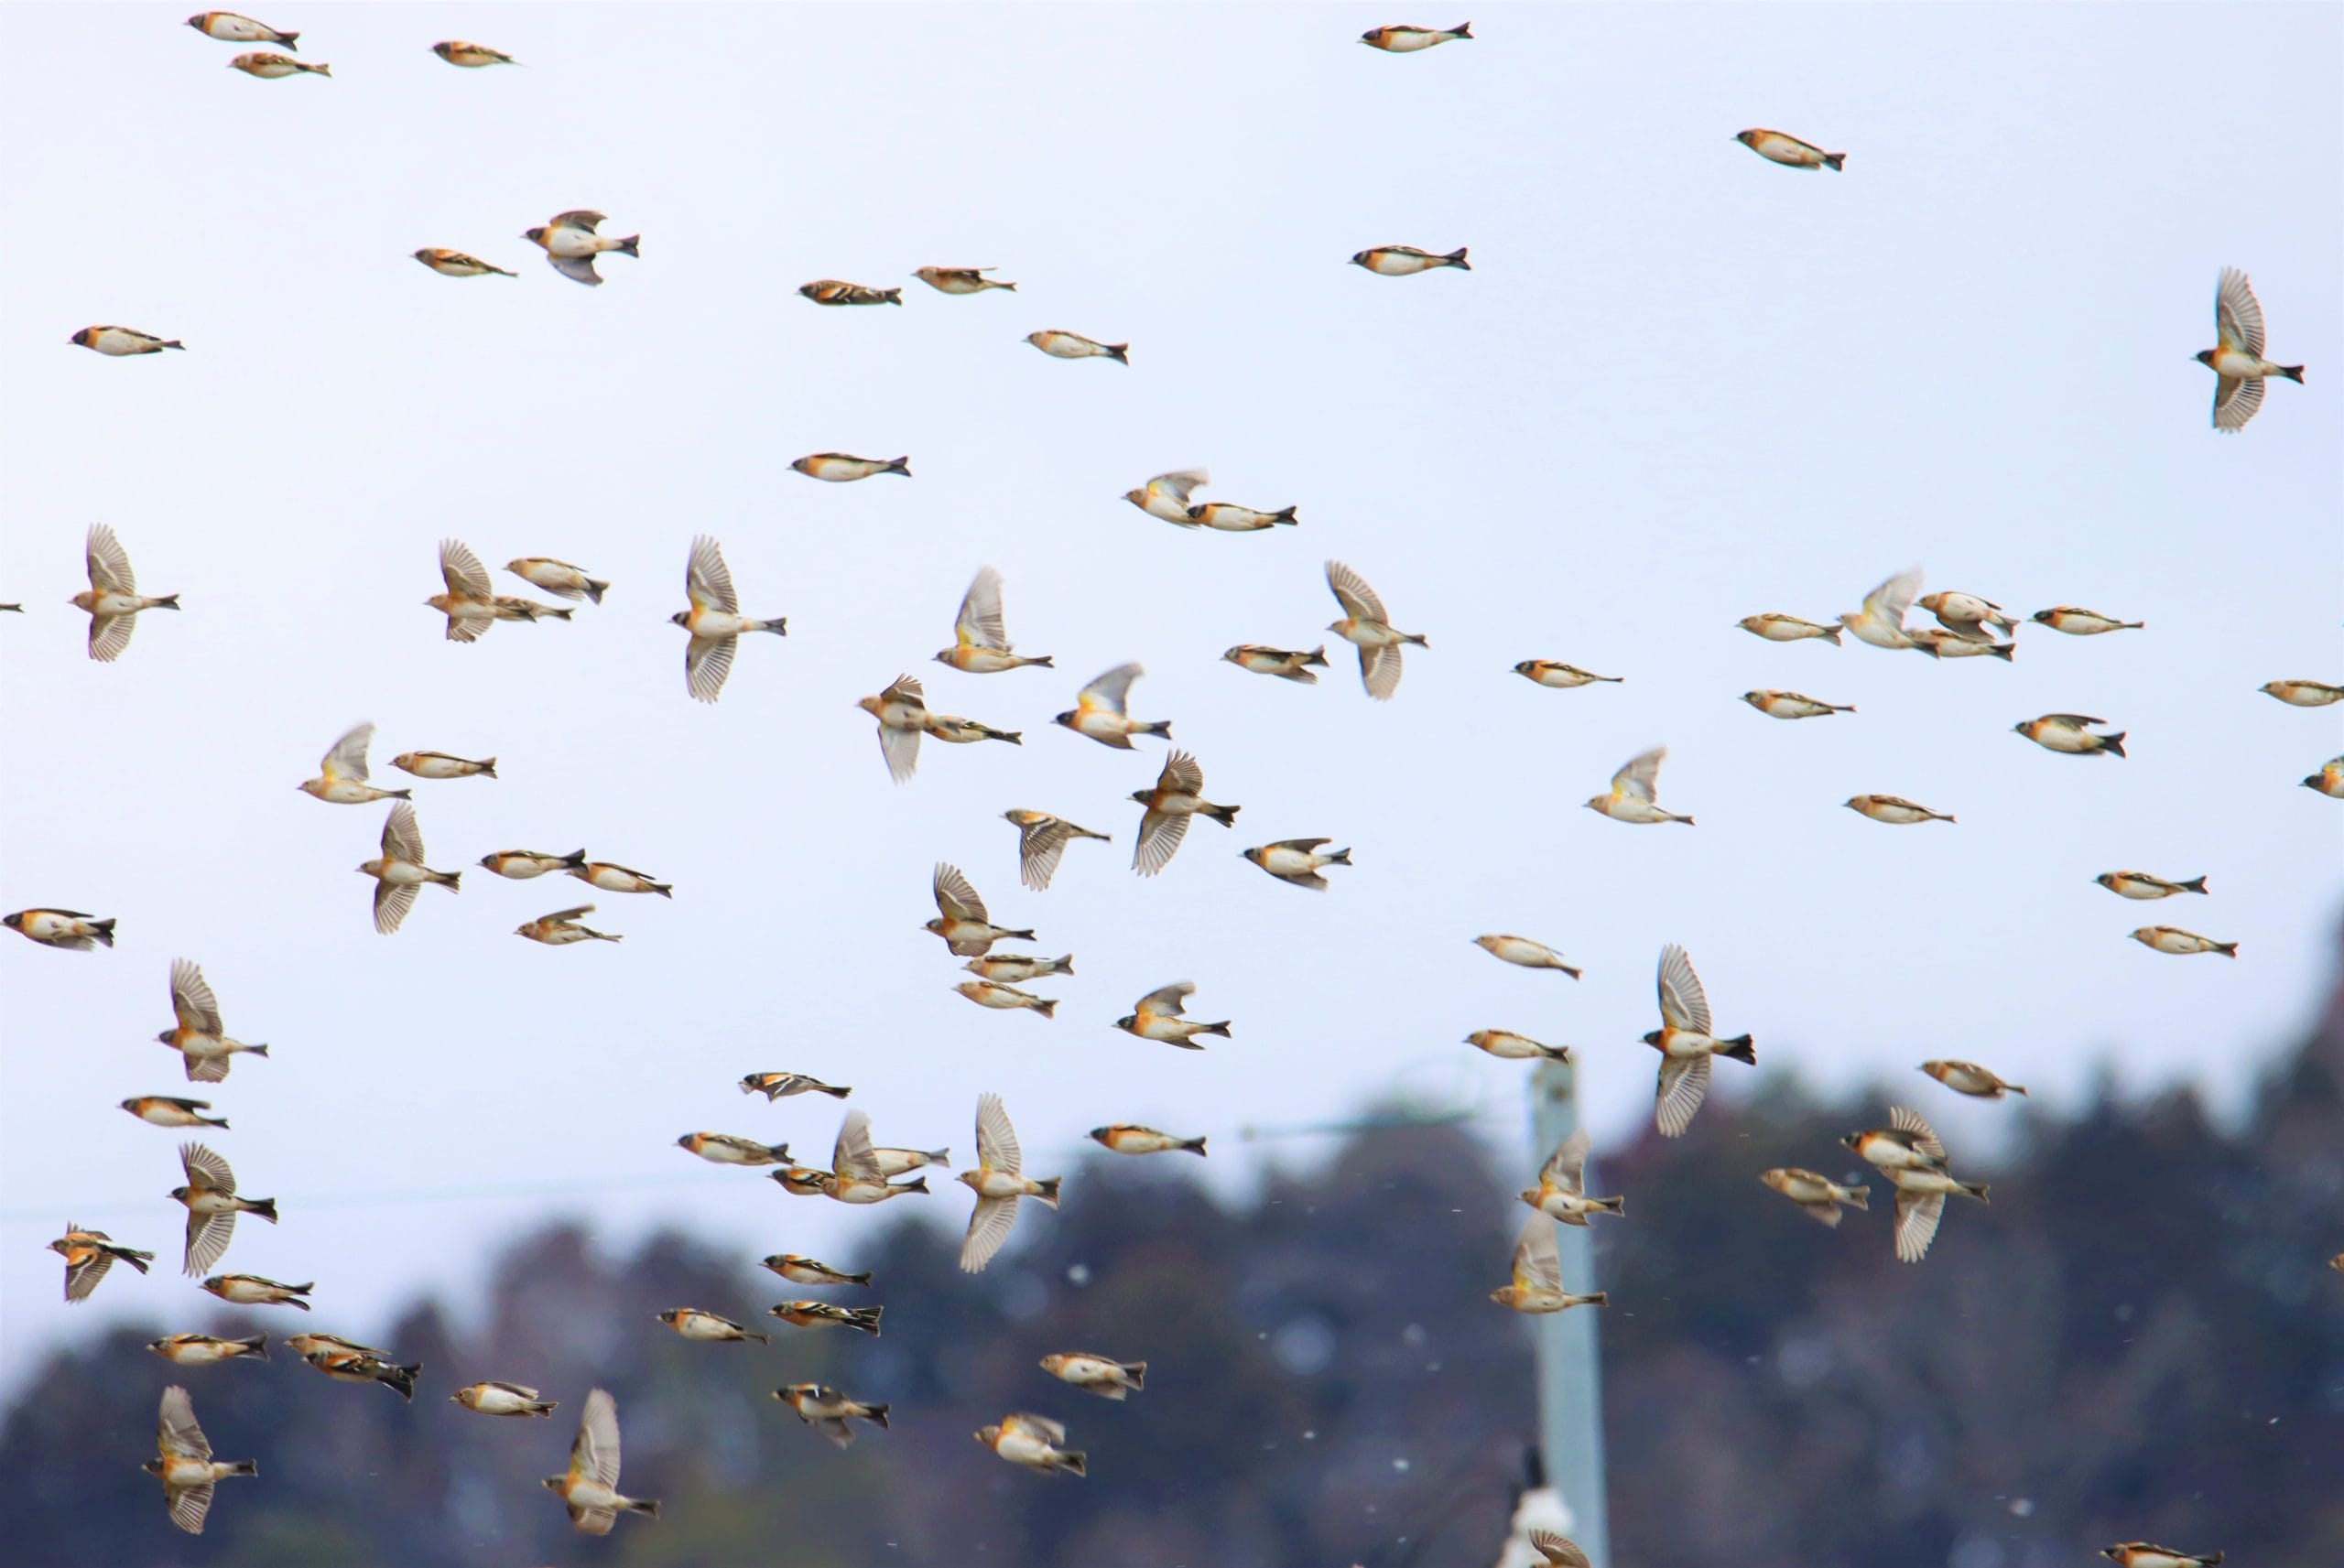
(1678, 386)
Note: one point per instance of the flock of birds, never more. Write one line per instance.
(1907, 1153)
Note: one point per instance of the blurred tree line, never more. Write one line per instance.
(2137, 1339)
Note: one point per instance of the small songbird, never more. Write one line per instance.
(558, 578)
(456, 263)
(230, 28)
(1787, 628)
(1633, 795)
(118, 342)
(1818, 1194)
(162, 1110)
(903, 717)
(1893, 809)
(2173, 939)
(2303, 693)
(470, 602)
(208, 1350)
(185, 1464)
(844, 467)
(1228, 517)
(1789, 151)
(113, 600)
(1402, 261)
(1102, 710)
(1939, 644)
(1297, 861)
(522, 865)
(962, 921)
(981, 641)
(571, 244)
(1969, 1079)
(808, 1271)
(472, 57)
(440, 765)
(1011, 969)
(832, 291)
(342, 773)
(1538, 1286)
(1909, 1153)
(273, 67)
(68, 928)
(1559, 677)
(353, 1366)
(1880, 622)
(1522, 950)
(618, 878)
(209, 1197)
(1161, 1015)
(1129, 1138)
(693, 1324)
(504, 1399)
(88, 1255)
(1164, 822)
(1686, 1044)
(304, 1342)
(961, 279)
(999, 1182)
(1561, 1192)
(1508, 1046)
(857, 1174)
(1407, 40)
(1101, 1375)
(1286, 664)
(2141, 1554)
(590, 1489)
(1968, 617)
(1904, 1144)
(252, 1289)
(1366, 626)
(2328, 781)
(2237, 358)
(199, 1036)
(2067, 734)
(1034, 1442)
(2083, 622)
(827, 1412)
(1075, 346)
(725, 1149)
(1559, 1550)
(1166, 495)
(1041, 839)
(986, 993)
(400, 870)
(804, 1181)
(505, 607)
(714, 620)
(1792, 705)
(781, 1085)
(822, 1314)
(2140, 885)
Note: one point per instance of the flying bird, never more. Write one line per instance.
(348, 1364)
(1908, 1152)
(88, 1255)
(1401, 260)
(2140, 885)
(960, 919)
(2068, 734)
(274, 67)
(399, 870)
(1041, 839)
(1297, 861)
(1228, 517)
(185, 1464)
(2328, 781)
(1164, 821)
(999, 1182)
(2083, 622)
(456, 263)
(2237, 358)
(781, 1085)
(163, 1110)
(1102, 710)
(2301, 693)
(1075, 346)
(1286, 664)
(504, 1399)
(1367, 627)
(1894, 810)
(832, 291)
(1775, 146)
(1003, 998)
(68, 928)
(113, 600)
(1632, 798)
(1407, 40)
(1011, 969)
(822, 1314)
(691, 1323)
(560, 929)
(209, 1197)
(1818, 1194)
(1559, 1550)
(618, 878)
(1537, 1287)
(558, 578)
(961, 279)
(2181, 944)
(342, 773)
(1880, 622)
(120, 343)
(2141, 1554)
(844, 468)
(1034, 1442)
(441, 765)
(230, 28)
(590, 1489)
(1686, 1044)
(1508, 1046)
(1969, 1079)
(981, 644)
(469, 602)
(209, 1350)
(253, 1290)
(1129, 1138)
(856, 1173)
(472, 57)
(1792, 705)
(1968, 617)
(1561, 1192)
(1523, 951)
(1559, 677)
(714, 620)
(1939, 644)
(1166, 495)
(1161, 1015)
(808, 1272)
(571, 244)
(1101, 1375)
(197, 1035)
(827, 1412)
(1788, 629)
(523, 865)
(903, 717)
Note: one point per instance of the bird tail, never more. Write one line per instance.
(1317, 655)
(489, 767)
(1339, 857)
(1833, 633)
(2017, 1088)
(665, 890)
(1194, 1146)
(1741, 1049)
(1049, 1195)
(1086, 833)
(1857, 1197)
(403, 1379)
(856, 1279)
(168, 601)
(1221, 1029)
(133, 1256)
(594, 590)
(288, 39)
(258, 1050)
(1457, 257)
(1162, 726)
(243, 1467)
(1047, 1006)
(833, 1091)
(632, 245)
(867, 1318)
(2195, 884)
(1018, 935)
(1042, 662)
(1419, 642)
(265, 1208)
(892, 296)
(1601, 1298)
(902, 465)
(574, 859)
(2227, 949)
(174, 343)
(647, 1507)
(2001, 651)
(1060, 966)
(1556, 1052)
(937, 1156)
(1225, 814)
(1285, 515)
(1136, 1372)
(778, 1151)
(2114, 743)
(558, 611)
(876, 1414)
(1834, 161)
(917, 1185)
(1077, 1462)
(449, 880)
(1462, 30)
(257, 1345)
(1573, 973)
(219, 1122)
(1610, 1206)
(2295, 375)
(1973, 1190)
(1848, 708)
(400, 794)
(1120, 354)
(759, 1338)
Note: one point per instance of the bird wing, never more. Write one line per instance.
(391, 903)
(1300, 846)
(1916, 1223)
(402, 837)
(905, 690)
(1683, 1003)
(1038, 849)
(1359, 601)
(1379, 671)
(2238, 314)
(1160, 833)
(176, 1436)
(595, 1455)
(346, 758)
(1925, 1137)
(1683, 1084)
(2076, 721)
(989, 1226)
(1112, 690)
(516, 1390)
(576, 218)
(110, 634)
(191, 998)
(955, 898)
(2236, 400)
(1638, 775)
(83, 1277)
(996, 1140)
(979, 624)
(708, 663)
(901, 750)
(578, 269)
(207, 1069)
(1181, 774)
(109, 562)
(1565, 1168)
(1559, 1550)
(834, 1428)
(1039, 1426)
(206, 1170)
(851, 1157)
(465, 576)
(208, 1235)
(1892, 600)
(1165, 1002)
(1178, 484)
(1537, 1261)
(708, 579)
(557, 917)
(189, 1506)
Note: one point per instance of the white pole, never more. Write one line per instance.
(1570, 1391)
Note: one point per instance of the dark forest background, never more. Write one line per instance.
(2138, 1339)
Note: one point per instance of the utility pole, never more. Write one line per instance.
(1570, 1391)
